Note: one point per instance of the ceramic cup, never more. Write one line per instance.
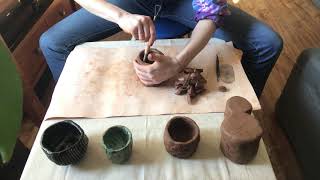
(64, 143)
(181, 137)
(117, 142)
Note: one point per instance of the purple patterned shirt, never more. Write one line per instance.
(211, 9)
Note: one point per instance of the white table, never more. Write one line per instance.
(149, 159)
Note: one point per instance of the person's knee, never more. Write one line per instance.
(275, 42)
(269, 46)
(278, 43)
(49, 42)
(45, 41)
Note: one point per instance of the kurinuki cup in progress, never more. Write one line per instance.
(117, 142)
(148, 62)
(139, 58)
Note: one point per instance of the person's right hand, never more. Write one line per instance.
(139, 26)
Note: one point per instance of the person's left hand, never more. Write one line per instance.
(163, 68)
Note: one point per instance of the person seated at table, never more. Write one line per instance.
(99, 19)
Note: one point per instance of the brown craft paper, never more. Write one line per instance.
(98, 81)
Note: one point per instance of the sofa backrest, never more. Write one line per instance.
(298, 111)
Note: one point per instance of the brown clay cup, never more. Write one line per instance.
(139, 60)
(181, 137)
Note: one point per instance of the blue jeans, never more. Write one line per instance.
(260, 44)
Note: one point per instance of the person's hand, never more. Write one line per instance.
(163, 68)
(139, 26)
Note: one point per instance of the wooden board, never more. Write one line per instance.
(99, 81)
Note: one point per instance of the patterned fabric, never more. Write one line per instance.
(211, 9)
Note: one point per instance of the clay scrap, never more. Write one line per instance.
(226, 73)
(191, 82)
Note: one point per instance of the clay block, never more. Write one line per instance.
(181, 137)
(237, 104)
(240, 136)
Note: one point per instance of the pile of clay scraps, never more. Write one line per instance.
(191, 82)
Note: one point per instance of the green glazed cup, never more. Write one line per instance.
(117, 142)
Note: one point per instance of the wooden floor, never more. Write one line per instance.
(298, 22)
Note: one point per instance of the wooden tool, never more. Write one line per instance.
(218, 68)
(146, 52)
(157, 9)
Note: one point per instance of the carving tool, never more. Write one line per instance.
(146, 52)
(218, 68)
(157, 10)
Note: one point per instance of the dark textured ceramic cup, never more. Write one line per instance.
(64, 143)
(117, 142)
(181, 137)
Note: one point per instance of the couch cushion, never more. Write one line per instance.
(317, 3)
(298, 111)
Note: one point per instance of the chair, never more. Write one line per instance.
(10, 103)
(13, 154)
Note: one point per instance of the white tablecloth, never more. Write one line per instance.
(149, 159)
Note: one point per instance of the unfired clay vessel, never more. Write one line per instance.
(139, 60)
(181, 137)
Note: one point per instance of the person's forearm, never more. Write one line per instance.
(103, 9)
(199, 39)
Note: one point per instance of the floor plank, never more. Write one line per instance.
(298, 23)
